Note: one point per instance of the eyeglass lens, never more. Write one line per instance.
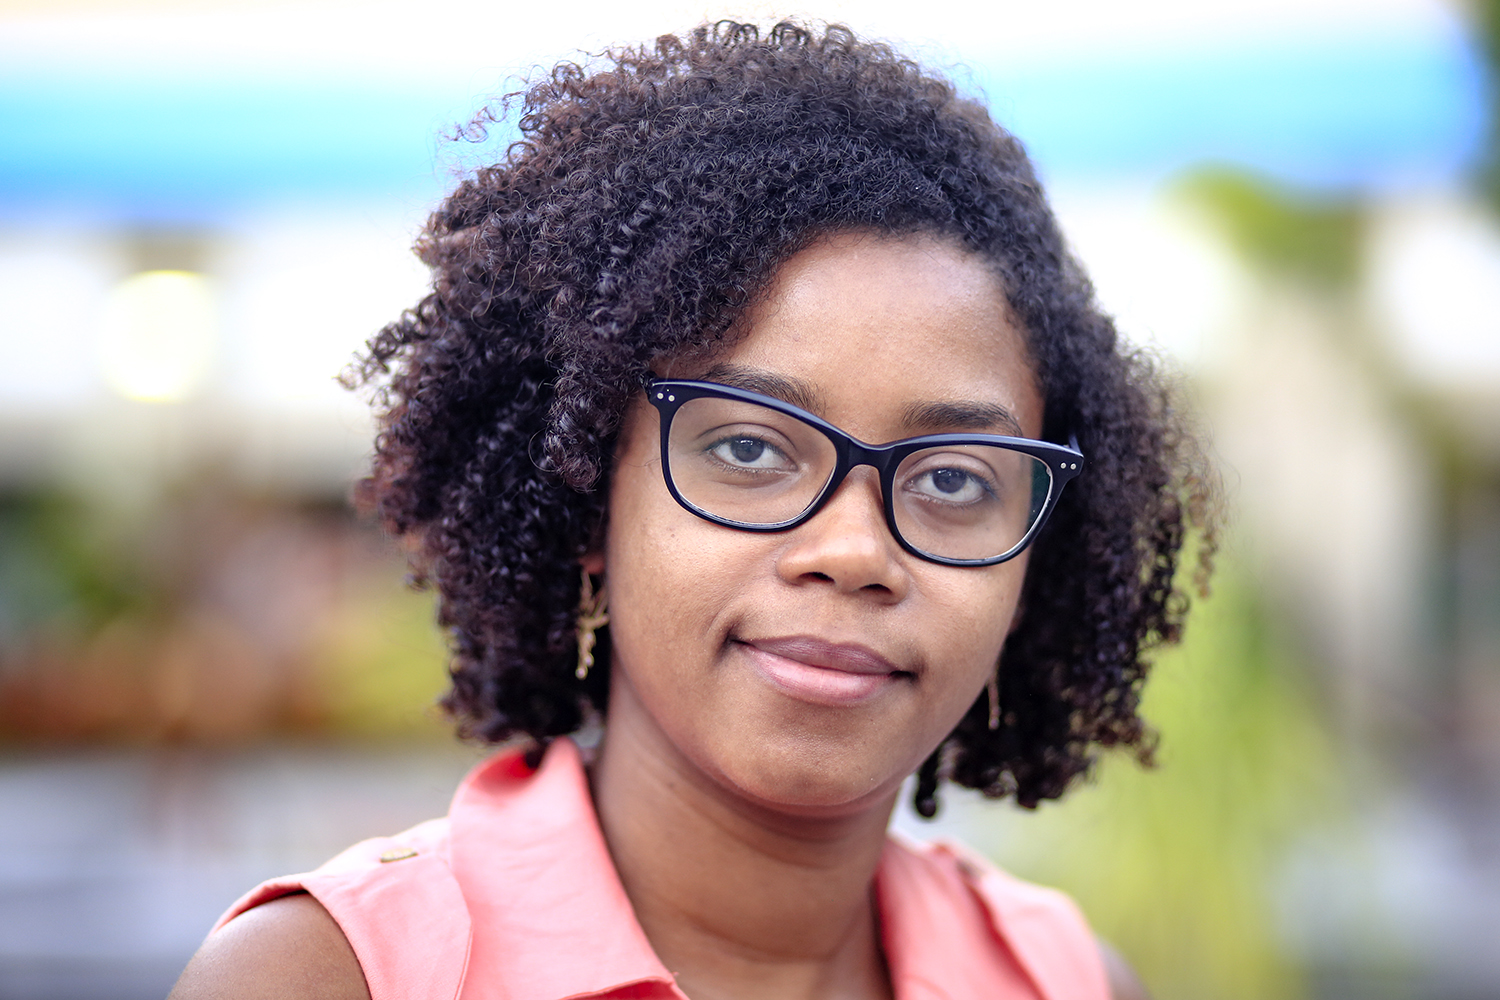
(753, 465)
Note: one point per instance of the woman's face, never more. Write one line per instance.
(812, 670)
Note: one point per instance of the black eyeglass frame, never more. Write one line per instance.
(1065, 462)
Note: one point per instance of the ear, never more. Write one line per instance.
(592, 560)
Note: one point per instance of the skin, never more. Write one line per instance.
(746, 823)
(288, 948)
(745, 816)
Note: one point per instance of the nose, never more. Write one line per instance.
(848, 543)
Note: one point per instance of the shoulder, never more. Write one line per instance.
(290, 947)
(385, 919)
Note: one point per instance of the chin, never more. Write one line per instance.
(804, 780)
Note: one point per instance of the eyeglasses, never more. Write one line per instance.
(753, 462)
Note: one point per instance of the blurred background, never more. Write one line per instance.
(211, 671)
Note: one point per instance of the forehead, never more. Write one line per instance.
(876, 324)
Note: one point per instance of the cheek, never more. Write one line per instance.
(643, 554)
(666, 577)
(971, 621)
(1010, 609)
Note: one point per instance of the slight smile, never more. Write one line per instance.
(821, 672)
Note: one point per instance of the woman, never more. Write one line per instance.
(758, 411)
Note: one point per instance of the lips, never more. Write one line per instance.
(821, 672)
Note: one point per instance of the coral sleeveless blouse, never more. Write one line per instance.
(513, 897)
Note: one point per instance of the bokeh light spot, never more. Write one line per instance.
(159, 336)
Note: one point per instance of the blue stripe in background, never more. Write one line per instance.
(1364, 113)
(1369, 113)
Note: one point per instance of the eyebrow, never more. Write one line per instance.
(961, 416)
(783, 387)
(964, 415)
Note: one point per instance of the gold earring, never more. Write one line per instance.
(993, 687)
(592, 616)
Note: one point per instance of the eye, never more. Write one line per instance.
(743, 451)
(950, 484)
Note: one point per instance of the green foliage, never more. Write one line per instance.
(1175, 865)
(1487, 17)
(1283, 233)
(381, 665)
(1487, 28)
(59, 570)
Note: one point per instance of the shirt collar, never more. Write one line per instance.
(550, 917)
(939, 938)
(552, 921)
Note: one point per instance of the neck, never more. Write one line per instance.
(738, 899)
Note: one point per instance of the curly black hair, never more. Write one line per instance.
(650, 198)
